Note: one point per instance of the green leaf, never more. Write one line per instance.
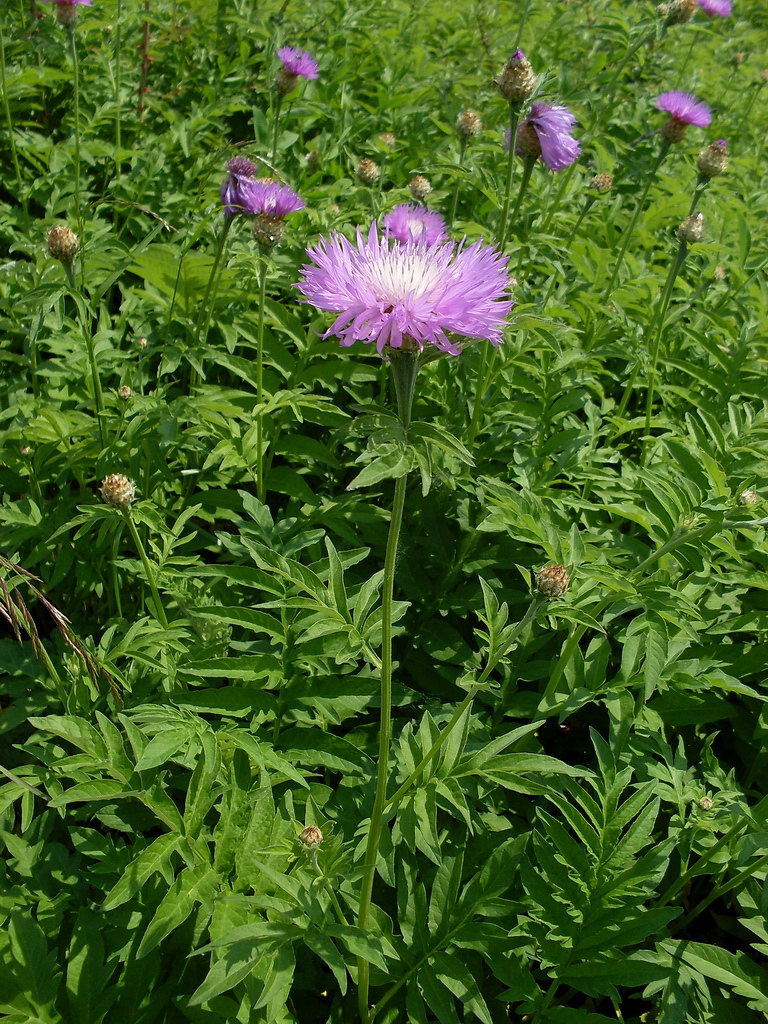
(156, 857)
(194, 885)
(733, 970)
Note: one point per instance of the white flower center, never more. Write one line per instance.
(398, 274)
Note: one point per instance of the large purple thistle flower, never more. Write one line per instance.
(684, 108)
(409, 223)
(546, 132)
(240, 170)
(711, 7)
(298, 62)
(386, 294)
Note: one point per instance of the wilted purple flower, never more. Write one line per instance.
(406, 295)
(409, 223)
(683, 107)
(295, 63)
(546, 132)
(241, 170)
(721, 7)
(265, 197)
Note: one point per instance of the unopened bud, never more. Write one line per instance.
(680, 11)
(748, 497)
(311, 837)
(118, 491)
(713, 159)
(737, 59)
(124, 392)
(468, 125)
(268, 231)
(601, 183)
(367, 172)
(706, 803)
(420, 188)
(388, 139)
(313, 160)
(142, 342)
(718, 274)
(517, 82)
(62, 243)
(25, 450)
(692, 229)
(552, 581)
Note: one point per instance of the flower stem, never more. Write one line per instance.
(9, 121)
(627, 238)
(462, 153)
(484, 373)
(206, 307)
(514, 117)
(76, 92)
(98, 396)
(555, 205)
(260, 481)
(148, 571)
(276, 136)
(674, 269)
(118, 65)
(405, 366)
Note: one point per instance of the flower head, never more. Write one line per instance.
(295, 64)
(367, 171)
(118, 491)
(409, 223)
(711, 7)
(713, 160)
(420, 188)
(552, 581)
(407, 295)
(468, 125)
(62, 243)
(265, 197)
(684, 109)
(546, 132)
(517, 82)
(240, 170)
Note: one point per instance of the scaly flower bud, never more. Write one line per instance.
(706, 803)
(124, 392)
(62, 243)
(517, 82)
(527, 142)
(420, 188)
(680, 11)
(388, 139)
(601, 183)
(552, 581)
(749, 497)
(737, 59)
(118, 491)
(268, 231)
(468, 125)
(713, 159)
(367, 172)
(311, 837)
(692, 229)
(718, 274)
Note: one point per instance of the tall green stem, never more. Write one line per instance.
(9, 119)
(514, 117)
(405, 366)
(148, 570)
(627, 238)
(276, 135)
(674, 269)
(260, 482)
(455, 203)
(76, 91)
(118, 66)
(565, 180)
(85, 326)
(206, 307)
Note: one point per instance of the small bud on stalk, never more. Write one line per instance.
(62, 243)
(118, 491)
(706, 803)
(311, 837)
(737, 59)
(552, 581)
(388, 139)
(517, 82)
(124, 392)
(468, 125)
(713, 159)
(680, 11)
(748, 497)
(601, 183)
(691, 230)
(718, 274)
(313, 160)
(367, 172)
(420, 188)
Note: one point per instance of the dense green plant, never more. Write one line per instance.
(573, 807)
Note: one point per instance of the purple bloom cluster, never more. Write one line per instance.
(684, 108)
(711, 7)
(266, 198)
(409, 223)
(385, 293)
(552, 125)
(298, 62)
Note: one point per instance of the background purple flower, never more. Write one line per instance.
(70, 3)
(267, 198)
(409, 223)
(240, 170)
(684, 108)
(382, 293)
(552, 125)
(298, 62)
(721, 7)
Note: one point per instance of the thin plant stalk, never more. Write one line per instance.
(76, 96)
(454, 205)
(276, 135)
(404, 369)
(530, 614)
(720, 890)
(9, 120)
(98, 396)
(565, 179)
(206, 307)
(514, 117)
(260, 481)
(528, 165)
(627, 237)
(484, 373)
(118, 82)
(674, 270)
(588, 202)
(148, 571)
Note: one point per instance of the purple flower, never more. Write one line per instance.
(409, 223)
(297, 62)
(721, 7)
(546, 132)
(266, 198)
(684, 108)
(70, 3)
(395, 294)
(240, 171)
